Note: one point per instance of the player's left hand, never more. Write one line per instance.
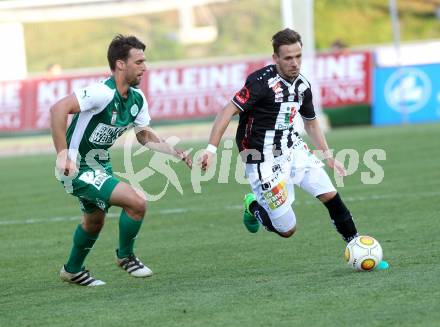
(337, 166)
(185, 157)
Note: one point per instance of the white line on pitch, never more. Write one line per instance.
(198, 209)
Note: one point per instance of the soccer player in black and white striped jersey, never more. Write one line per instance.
(275, 156)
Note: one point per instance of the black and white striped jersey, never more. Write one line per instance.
(268, 105)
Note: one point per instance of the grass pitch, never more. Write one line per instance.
(209, 271)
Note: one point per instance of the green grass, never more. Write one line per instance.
(209, 271)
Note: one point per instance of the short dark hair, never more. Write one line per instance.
(119, 48)
(285, 37)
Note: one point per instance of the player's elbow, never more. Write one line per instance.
(308, 127)
(142, 137)
(53, 109)
(58, 110)
(231, 109)
(65, 106)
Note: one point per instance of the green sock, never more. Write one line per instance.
(82, 243)
(128, 230)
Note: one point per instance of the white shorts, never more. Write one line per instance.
(273, 181)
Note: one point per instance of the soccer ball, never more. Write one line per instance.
(363, 253)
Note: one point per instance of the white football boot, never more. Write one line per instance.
(134, 266)
(82, 278)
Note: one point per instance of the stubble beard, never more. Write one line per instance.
(134, 82)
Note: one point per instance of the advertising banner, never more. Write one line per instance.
(406, 94)
(48, 91)
(344, 79)
(11, 106)
(195, 91)
(183, 92)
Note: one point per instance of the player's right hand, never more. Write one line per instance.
(64, 165)
(184, 156)
(205, 159)
(337, 166)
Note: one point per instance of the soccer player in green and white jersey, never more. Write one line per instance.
(103, 112)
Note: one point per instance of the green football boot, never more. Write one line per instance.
(249, 220)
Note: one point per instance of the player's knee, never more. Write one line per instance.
(325, 197)
(93, 222)
(137, 208)
(285, 225)
(289, 233)
(92, 227)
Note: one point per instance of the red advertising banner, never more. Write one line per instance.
(183, 92)
(11, 106)
(195, 91)
(344, 79)
(48, 91)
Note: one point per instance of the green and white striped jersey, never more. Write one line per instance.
(105, 115)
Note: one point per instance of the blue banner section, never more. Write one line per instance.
(406, 94)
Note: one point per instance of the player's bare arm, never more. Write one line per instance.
(221, 122)
(320, 143)
(59, 113)
(149, 138)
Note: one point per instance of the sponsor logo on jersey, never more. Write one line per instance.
(274, 179)
(275, 168)
(105, 134)
(85, 95)
(243, 95)
(286, 115)
(94, 178)
(134, 110)
(101, 204)
(277, 196)
(266, 186)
